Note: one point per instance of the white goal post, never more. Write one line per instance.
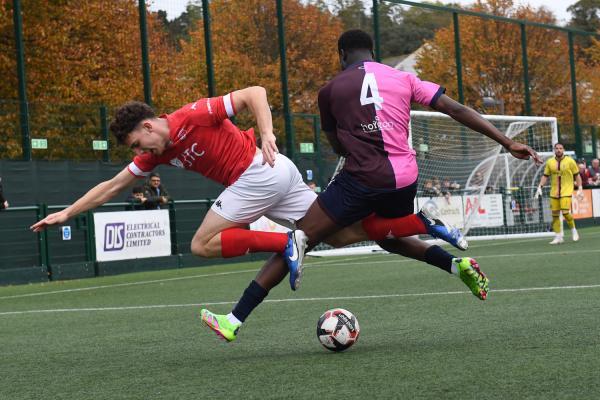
(477, 185)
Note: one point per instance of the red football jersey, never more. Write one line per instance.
(203, 140)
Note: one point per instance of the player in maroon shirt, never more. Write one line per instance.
(365, 111)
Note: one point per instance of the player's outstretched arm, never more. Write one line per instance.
(97, 196)
(255, 99)
(472, 119)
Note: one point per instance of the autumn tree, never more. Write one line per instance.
(77, 58)
(492, 63)
(80, 56)
(404, 30)
(178, 28)
(246, 52)
(585, 15)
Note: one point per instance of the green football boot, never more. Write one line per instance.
(471, 275)
(220, 325)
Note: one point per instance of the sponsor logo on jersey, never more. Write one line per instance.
(189, 155)
(377, 125)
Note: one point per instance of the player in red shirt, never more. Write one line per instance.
(200, 137)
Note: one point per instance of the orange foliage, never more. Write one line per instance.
(88, 54)
(492, 63)
(81, 56)
(246, 51)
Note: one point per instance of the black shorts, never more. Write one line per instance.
(347, 201)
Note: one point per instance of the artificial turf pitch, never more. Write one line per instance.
(423, 336)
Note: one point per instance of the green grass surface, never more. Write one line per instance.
(138, 336)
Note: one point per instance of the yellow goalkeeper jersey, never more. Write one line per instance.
(562, 174)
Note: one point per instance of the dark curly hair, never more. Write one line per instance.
(355, 39)
(127, 118)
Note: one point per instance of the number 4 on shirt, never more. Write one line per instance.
(370, 84)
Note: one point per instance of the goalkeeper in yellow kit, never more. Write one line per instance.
(562, 171)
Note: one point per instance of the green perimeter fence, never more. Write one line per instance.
(84, 127)
(38, 257)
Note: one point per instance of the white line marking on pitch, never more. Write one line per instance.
(330, 263)
(380, 296)
(179, 278)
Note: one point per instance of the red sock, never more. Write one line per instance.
(379, 228)
(238, 242)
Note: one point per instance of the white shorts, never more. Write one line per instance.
(279, 193)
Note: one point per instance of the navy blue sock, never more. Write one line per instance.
(252, 297)
(439, 257)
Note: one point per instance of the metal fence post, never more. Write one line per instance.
(210, 78)
(376, 31)
(41, 213)
(144, 43)
(578, 141)
(23, 104)
(318, 153)
(173, 227)
(525, 70)
(90, 240)
(594, 141)
(458, 57)
(104, 131)
(289, 132)
(43, 247)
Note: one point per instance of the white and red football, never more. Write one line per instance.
(337, 329)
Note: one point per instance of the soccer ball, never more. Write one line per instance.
(337, 329)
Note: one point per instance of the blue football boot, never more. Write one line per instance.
(294, 256)
(438, 228)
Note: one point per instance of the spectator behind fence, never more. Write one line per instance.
(136, 199)
(450, 186)
(595, 172)
(477, 180)
(430, 190)
(313, 186)
(157, 196)
(585, 174)
(3, 201)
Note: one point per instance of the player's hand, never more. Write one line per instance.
(524, 152)
(269, 148)
(580, 194)
(538, 192)
(52, 219)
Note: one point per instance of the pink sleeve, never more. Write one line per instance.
(424, 92)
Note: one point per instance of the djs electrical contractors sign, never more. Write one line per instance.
(132, 234)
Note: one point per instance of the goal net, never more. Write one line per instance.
(476, 184)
